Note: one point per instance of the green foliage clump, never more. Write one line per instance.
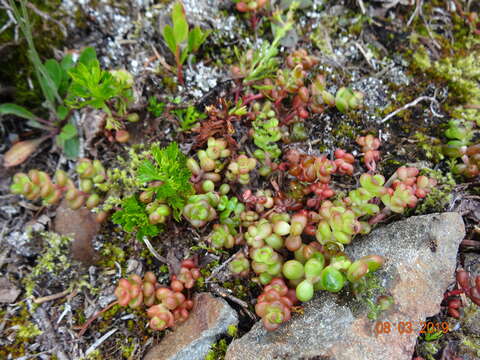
(52, 76)
(155, 107)
(110, 91)
(133, 218)
(171, 171)
(188, 118)
(262, 63)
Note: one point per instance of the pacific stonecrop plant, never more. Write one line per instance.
(460, 148)
(290, 238)
(166, 305)
(466, 285)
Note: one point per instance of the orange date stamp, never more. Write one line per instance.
(409, 327)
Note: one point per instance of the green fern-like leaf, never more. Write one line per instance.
(169, 168)
(133, 218)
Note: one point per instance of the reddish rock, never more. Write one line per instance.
(192, 340)
(81, 226)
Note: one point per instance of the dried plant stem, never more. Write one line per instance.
(410, 104)
(94, 317)
(56, 296)
(220, 267)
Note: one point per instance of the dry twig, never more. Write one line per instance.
(56, 296)
(217, 289)
(413, 103)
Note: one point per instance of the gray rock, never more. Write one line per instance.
(192, 340)
(421, 258)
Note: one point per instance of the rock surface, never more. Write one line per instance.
(8, 291)
(81, 226)
(421, 258)
(191, 340)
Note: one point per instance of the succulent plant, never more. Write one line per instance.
(344, 162)
(266, 132)
(310, 168)
(470, 165)
(250, 5)
(200, 209)
(238, 170)
(346, 99)
(466, 285)
(240, 266)
(274, 304)
(165, 305)
(266, 263)
(371, 155)
(220, 237)
(38, 185)
(338, 224)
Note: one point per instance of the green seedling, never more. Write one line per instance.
(180, 40)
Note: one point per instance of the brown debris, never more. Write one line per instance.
(82, 227)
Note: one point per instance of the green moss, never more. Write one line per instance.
(238, 288)
(232, 330)
(344, 130)
(472, 343)
(462, 73)
(111, 254)
(432, 147)
(128, 347)
(28, 331)
(440, 195)
(321, 39)
(94, 355)
(367, 290)
(218, 350)
(110, 313)
(55, 256)
(54, 259)
(421, 59)
(25, 332)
